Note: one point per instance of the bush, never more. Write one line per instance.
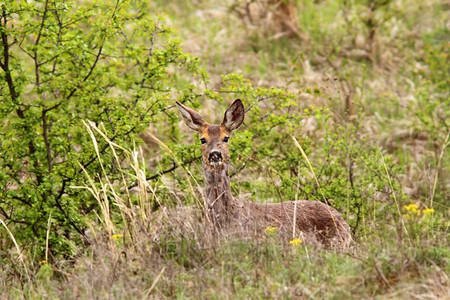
(62, 62)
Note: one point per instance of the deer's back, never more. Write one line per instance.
(314, 220)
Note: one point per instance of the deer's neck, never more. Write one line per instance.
(218, 194)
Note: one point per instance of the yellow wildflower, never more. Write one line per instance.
(411, 207)
(295, 242)
(43, 262)
(116, 236)
(428, 211)
(270, 229)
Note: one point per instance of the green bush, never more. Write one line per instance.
(67, 61)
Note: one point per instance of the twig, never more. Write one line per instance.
(154, 283)
(433, 191)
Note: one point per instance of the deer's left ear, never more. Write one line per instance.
(192, 119)
(234, 116)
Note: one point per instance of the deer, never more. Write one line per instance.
(313, 221)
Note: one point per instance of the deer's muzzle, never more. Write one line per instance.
(215, 158)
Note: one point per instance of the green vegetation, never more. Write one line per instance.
(101, 182)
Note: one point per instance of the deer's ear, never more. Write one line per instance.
(234, 116)
(192, 119)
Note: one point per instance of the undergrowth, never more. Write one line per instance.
(352, 111)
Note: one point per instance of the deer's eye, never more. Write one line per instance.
(225, 139)
(203, 141)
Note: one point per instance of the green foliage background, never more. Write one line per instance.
(62, 63)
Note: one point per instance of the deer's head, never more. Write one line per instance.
(214, 138)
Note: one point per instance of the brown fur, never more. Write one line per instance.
(315, 222)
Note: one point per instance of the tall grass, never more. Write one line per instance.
(173, 254)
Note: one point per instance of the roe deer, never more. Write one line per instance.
(313, 221)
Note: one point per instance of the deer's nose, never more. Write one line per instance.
(215, 157)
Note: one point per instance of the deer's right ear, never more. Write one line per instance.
(234, 116)
(192, 119)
